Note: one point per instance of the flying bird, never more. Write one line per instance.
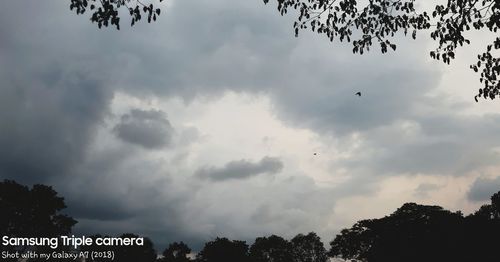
(315, 153)
(475, 98)
(358, 94)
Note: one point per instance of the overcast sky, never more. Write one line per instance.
(217, 121)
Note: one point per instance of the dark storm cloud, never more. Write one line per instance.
(53, 96)
(483, 188)
(241, 169)
(47, 120)
(103, 209)
(147, 128)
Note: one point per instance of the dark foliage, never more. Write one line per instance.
(106, 12)
(308, 248)
(223, 250)
(176, 252)
(271, 249)
(422, 233)
(412, 233)
(32, 212)
(482, 231)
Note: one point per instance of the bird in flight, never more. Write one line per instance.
(475, 98)
(315, 153)
(358, 94)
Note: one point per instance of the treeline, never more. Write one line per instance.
(273, 248)
(412, 233)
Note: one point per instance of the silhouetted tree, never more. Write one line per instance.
(489, 212)
(495, 203)
(308, 248)
(482, 231)
(412, 233)
(363, 23)
(271, 249)
(223, 250)
(176, 252)
(34, 212)
(106, 12)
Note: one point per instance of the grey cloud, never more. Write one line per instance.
(326, 102)
(149, 129)
(483, 188)
(241, 169)
(242, 47)
(104, 209)
(431, 157)
(424, 189)
(441, 144)
(188, 135)
(119, 190)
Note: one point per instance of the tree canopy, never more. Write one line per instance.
(222, 250)
(176, 252)
(412, 233)
(363, 23)
(32, 212)
(422, 233)
(308, 248)
(271, 249)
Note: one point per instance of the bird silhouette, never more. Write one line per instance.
(358, 94)
(315, 153)
(475, 98)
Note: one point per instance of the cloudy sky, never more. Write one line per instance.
(206, 123)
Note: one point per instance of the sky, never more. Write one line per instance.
(217, 121)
